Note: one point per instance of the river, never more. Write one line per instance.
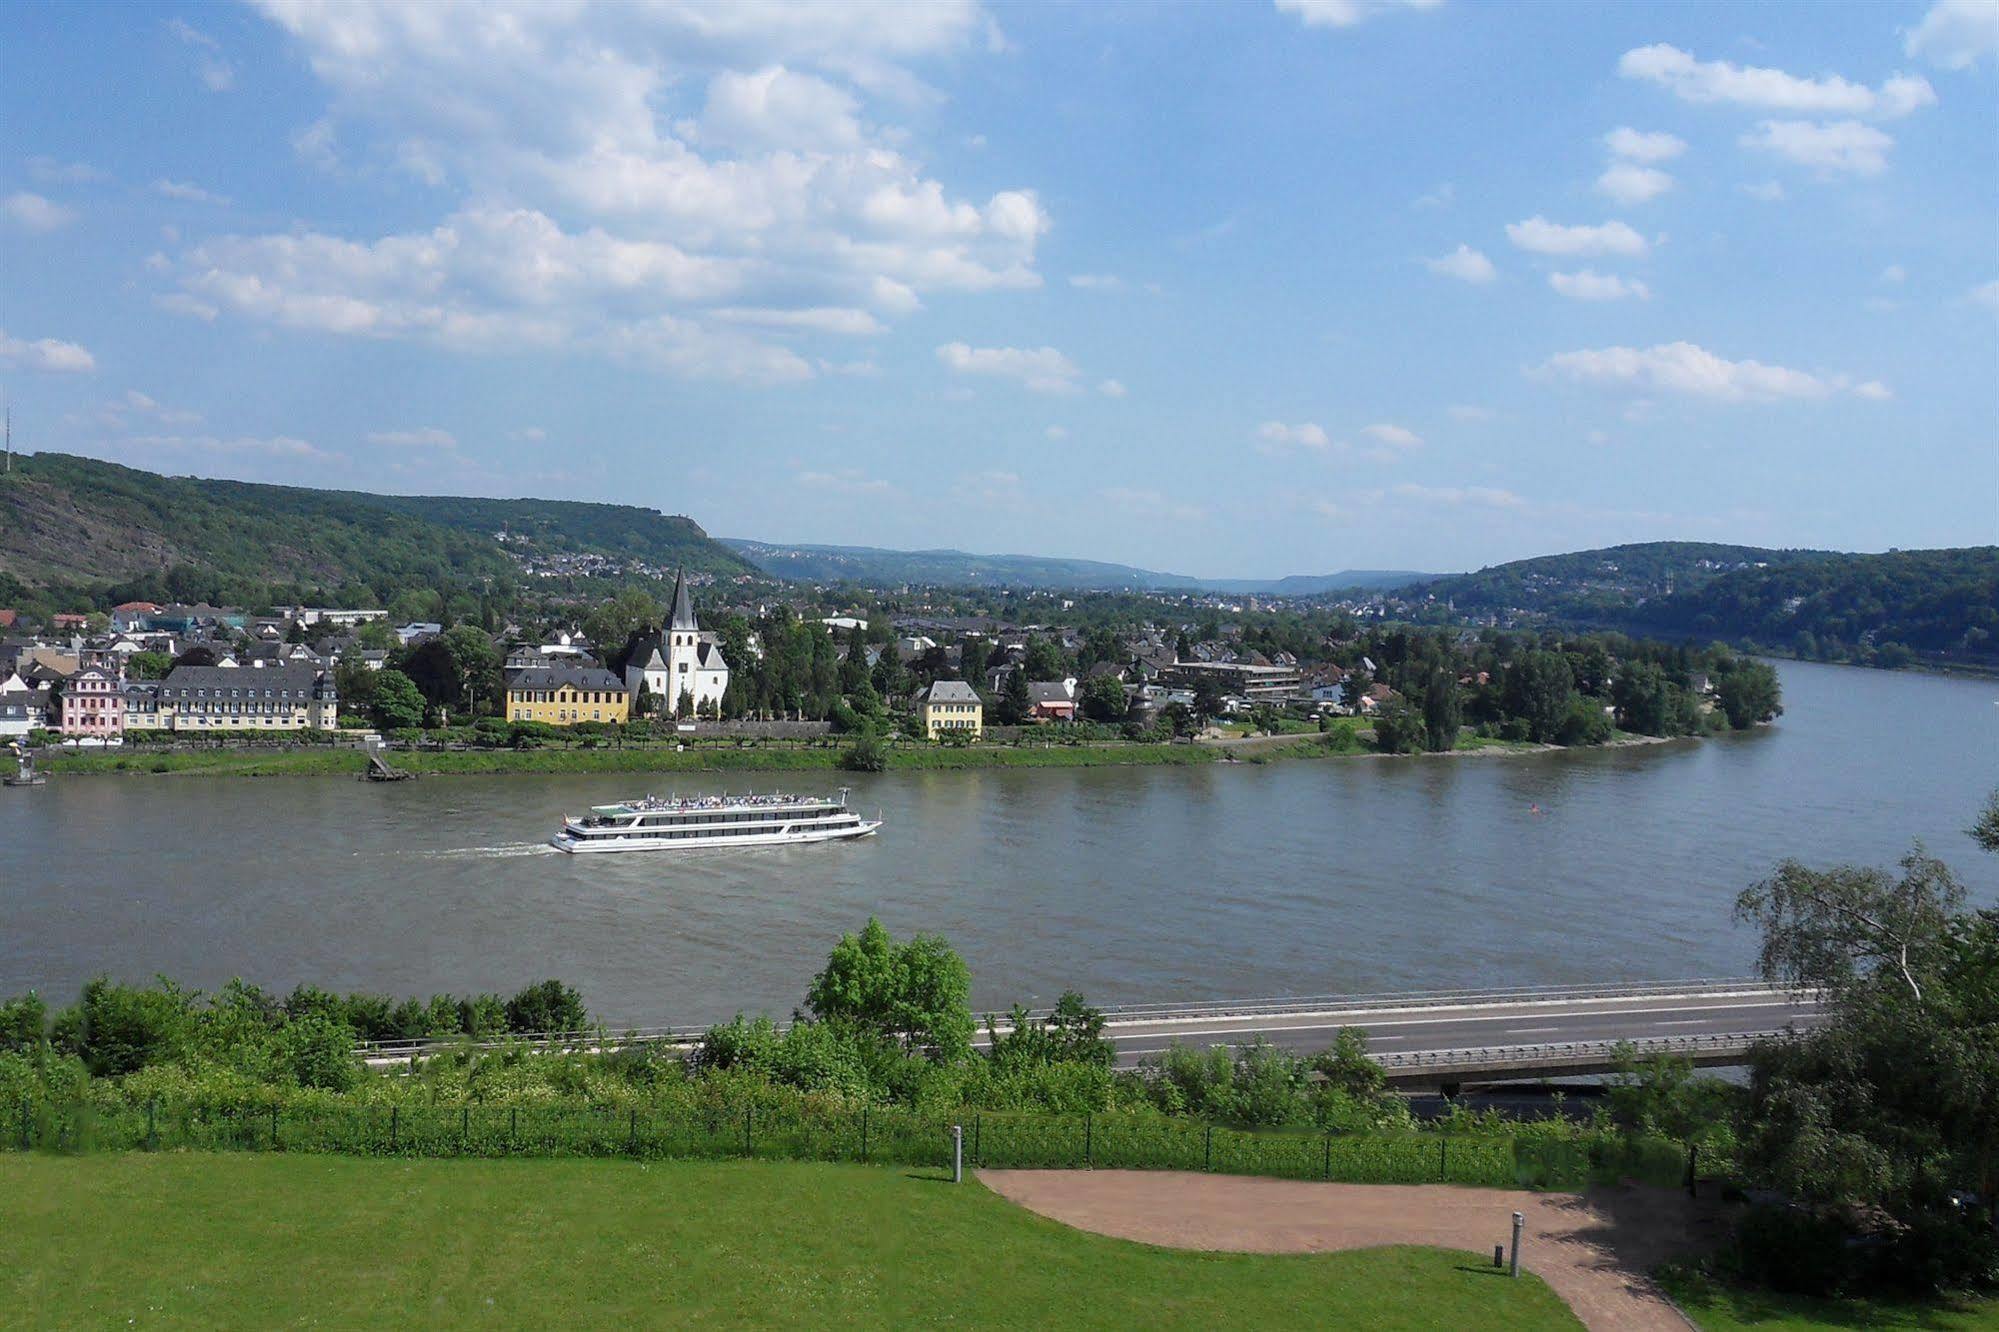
(1132, 884)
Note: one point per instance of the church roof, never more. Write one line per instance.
(683, 605)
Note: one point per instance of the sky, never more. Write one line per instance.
(1239, 289)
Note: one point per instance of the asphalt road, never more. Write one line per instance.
(1475, 1026)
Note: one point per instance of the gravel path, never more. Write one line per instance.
(1594, 1250)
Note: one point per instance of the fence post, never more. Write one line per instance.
(864, 1133)
(1208, 1148)
(749, 1147)
(1443, 1161)
(152, 1127)
(513, 1124)
(1089, 1147)
(977, 1159)
(1329, 1156)
(1693, 1158)
(395, 1124)
(632, 1139)
(27, 1127)
(274, 1126)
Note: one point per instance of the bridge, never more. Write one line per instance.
(1433, 1039)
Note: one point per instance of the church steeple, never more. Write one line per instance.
(682, 618)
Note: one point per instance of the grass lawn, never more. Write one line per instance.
(255, 1240)
(1719, 1308)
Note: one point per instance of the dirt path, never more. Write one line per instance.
(1593, 1250)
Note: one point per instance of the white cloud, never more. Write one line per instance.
(1541, 236)
(316, 144)
(1955, 34)
(1644, 145)
(186, 190)
(740, 156)
(1345, 13)
(1628, 183)
(1147, 503)
(1279, 438)
(1768, 191)
(424, 437)
(1111, 388)
(51, 172)
(1487, 497)
(1986, 294)
(1830, 147)
(1400, 437)
(1442, 197)
(1465, 264)
(1588, 285)
(45, 354)
(1470, 412)
(1894, 273)
(1694, 80)
(115, 415)
(1684, 368)
(1873, 390)
(1042, 369)
(1096, 281)
(217, 74)
(846, 481)
(35, 213)
(271, 446)
(816, 319)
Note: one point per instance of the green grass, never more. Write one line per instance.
(254, 1241)
(1718, 1308)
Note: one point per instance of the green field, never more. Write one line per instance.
(1718, 1308)
(255, 1241)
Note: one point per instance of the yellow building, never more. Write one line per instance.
(950, 706)
(566, 695)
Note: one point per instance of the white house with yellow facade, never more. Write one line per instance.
(566, 695)
(950, 707)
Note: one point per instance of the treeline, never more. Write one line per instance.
(1549, 688)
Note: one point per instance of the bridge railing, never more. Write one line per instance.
(1560, 1052)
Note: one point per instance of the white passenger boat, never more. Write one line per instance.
(673, 824)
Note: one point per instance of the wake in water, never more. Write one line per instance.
(505, 851)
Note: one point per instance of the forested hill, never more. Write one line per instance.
(877, 567)
(69, 521)
(1942, 605)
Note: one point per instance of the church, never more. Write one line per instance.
(679, 660)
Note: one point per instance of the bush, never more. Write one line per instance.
(548, 1006)
(115, 1029)
(320, 1053)
(24, 1024)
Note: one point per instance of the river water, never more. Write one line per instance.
(1225, 881)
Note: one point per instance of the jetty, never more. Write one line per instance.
(379, 768)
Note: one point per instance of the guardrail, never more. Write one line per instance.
(1576, 1052)
(1123, 1015)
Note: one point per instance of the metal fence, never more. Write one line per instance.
(1023, 1140)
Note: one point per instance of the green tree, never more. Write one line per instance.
(1443, 712)
(396, 704)
(1045, 660)
(1103, 699)
(914, 993)
(1830, 929)
(1539, 690)
(1986, 831)
(1748, 693)
(1015, 701)
(546, 1006)
(148, 665)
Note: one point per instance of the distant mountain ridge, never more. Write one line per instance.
(72, 520)
(1882, 609)
(956, 568)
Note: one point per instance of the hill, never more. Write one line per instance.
(878, 567)
(1885, 609)
(70, 520)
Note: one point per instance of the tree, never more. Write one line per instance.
(1443, 712)
(866, 753)
(1539, 690)
(1103, 699)
(1828, 929)
(1986, 831)
(148, 665)
(1015, 701)
(683, 707)
(397, 705)
(914, 993)
(1748, 693)
(1397, 730)
(546, 1006)
(1639, 694)
(197, 656)
(1208, 695)
(889, 677)
(611, 625)
(1045, 660)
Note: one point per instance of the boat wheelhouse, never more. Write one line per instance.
(652, 823)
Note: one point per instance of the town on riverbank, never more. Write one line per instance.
(635, 686)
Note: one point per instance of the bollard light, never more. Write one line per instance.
(1514, 1266)
(957, 1153)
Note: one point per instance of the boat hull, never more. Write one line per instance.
(580, 846)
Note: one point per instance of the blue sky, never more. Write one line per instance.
(1241, 289)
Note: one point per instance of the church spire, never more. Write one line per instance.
(683, 605)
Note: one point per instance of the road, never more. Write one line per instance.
(1478, 1024)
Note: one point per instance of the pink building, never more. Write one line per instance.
(93, 704)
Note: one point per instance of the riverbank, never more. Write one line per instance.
(1343, 741)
